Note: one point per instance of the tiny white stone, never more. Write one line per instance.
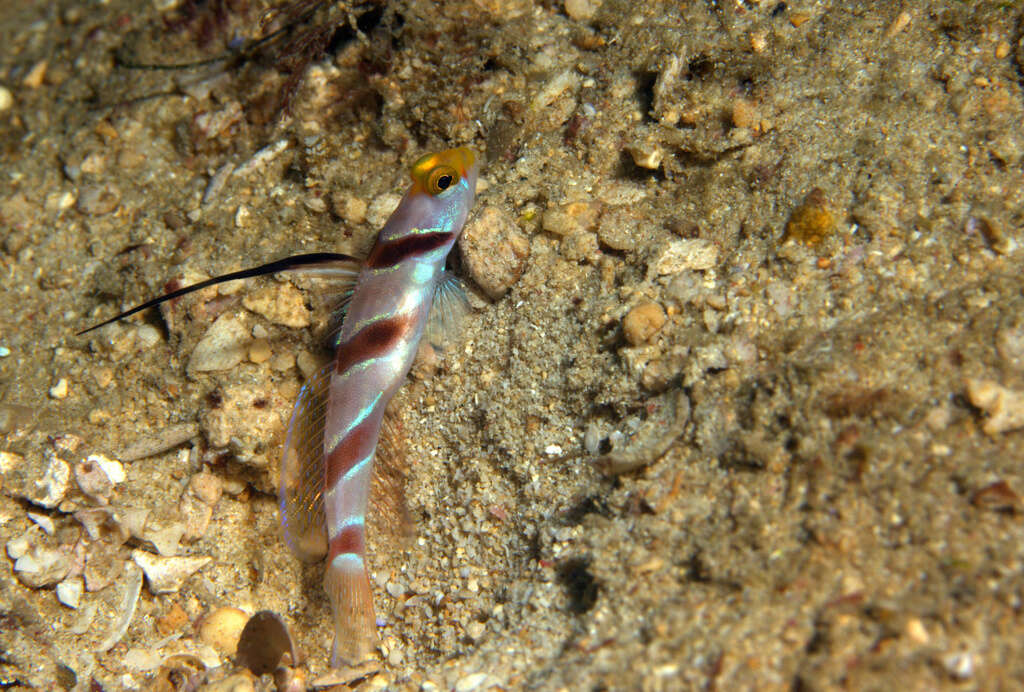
(44, 522)
(69, 592)
(59, 390)
(8, 460)
(113, 468)
(243, 217)
(54, 483)
(18, 546)
(4, 351)
(553, 450)
(960, 665)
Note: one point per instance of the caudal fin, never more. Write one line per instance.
(355, 627)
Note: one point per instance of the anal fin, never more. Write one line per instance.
(389, 518)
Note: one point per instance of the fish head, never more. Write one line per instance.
(445, 183)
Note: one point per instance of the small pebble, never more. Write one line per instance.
(69, 592)
(349, 207)
(59, 390)
(167, 574)
(44, 522)
(222, 628)
(1005, 407)
(196, 516)
(643, 322)
(690, 253)
(4, 351)
(647, 155)
(283, 361)
(307, 363)
(475, 630)
(96, 200)
(34, 78)
(917, 632)
(222, 347)
(6, 99)
(281, 304)
(173, 620)
(811, 222)
(207, 486)
(50, 490)
(582, 10)
(9, 461)
(315, 204)
(113, 468)
(494, 251)
(37, 565)
(243, 217)
(93, 481)
(146, 336)
(798, 19)
(259, 351)
(960, 665)
(898, 24)
(592, 439)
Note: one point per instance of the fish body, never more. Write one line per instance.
(385, 319)
(327, 464)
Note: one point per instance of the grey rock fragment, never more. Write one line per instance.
(494, 251)
(167, 574)
(221, 348)
(96, 200)
(163, 440)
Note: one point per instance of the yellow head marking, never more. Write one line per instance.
(435, 173)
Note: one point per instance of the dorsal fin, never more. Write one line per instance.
(315, 263)
(302, 470)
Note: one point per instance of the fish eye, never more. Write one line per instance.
(440, 179)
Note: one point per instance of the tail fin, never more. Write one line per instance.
(355, 627)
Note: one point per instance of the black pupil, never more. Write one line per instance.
(444, 182)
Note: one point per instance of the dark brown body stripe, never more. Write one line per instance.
(352, 539)
(352, 449)
(371, 341)
(391, 253)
